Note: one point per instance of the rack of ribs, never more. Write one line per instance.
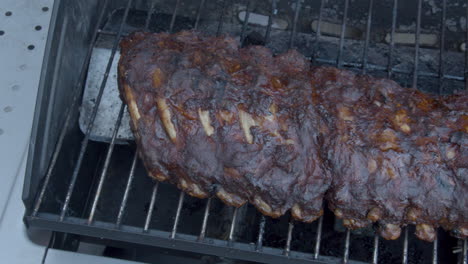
(247, 126)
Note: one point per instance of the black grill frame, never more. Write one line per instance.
(227, 248)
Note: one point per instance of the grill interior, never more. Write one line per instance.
(85, 179)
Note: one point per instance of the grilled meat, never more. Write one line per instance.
(245, 125)
(398, 156)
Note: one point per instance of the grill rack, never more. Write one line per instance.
(187, 242)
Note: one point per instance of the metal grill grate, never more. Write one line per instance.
(198, 243)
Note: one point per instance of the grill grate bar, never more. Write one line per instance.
(375, 254)
(287, 248)
(370, 66)
(261, 232)
(466, 53)
(244, 25)
(318, 238)
(416, 50)
(149, 215)
(465, 252)
(339, 60)
(294, 28)
(102, 177)
(273, 13)
(346, 247)
(174, 15)
(197, 20)
(149, 14)
(109, 33)
(405, 247)
(434, 251)
(177, 216)
(84, 142)
(76, 93)
(392, 39)
(395, 70)
(205, 220)
(233, 227)
(368, 30)
(442, 45)
(318, 30)
(221, 17)
(123, 204)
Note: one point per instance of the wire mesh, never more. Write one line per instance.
(104, 169)
(84, 143)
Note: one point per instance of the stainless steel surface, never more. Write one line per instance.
(434, 251)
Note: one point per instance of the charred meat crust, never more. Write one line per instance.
(244, 125)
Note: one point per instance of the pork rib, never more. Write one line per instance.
(244, 125)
